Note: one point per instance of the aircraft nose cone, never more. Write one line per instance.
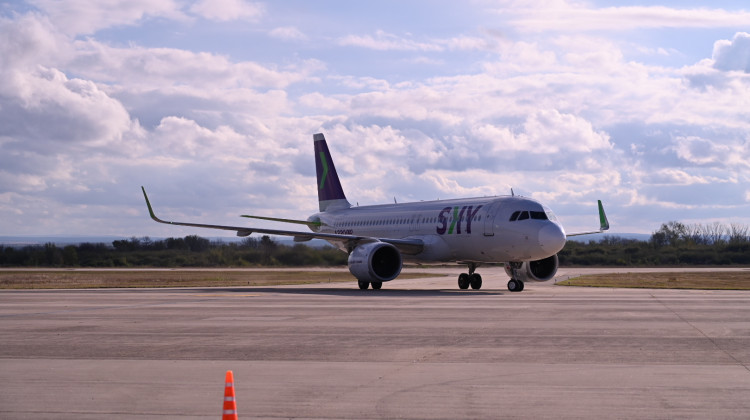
(551, 238)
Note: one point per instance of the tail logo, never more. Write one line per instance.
(323, 178)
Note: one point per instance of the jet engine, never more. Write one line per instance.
(539, 270)
(375, 262)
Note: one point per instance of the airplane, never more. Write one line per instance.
(519, 232)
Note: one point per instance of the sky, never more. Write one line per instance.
(212, 105)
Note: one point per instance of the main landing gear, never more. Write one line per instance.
(364, 285)
(471, 279)
(515, 284)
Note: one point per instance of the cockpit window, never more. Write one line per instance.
(538, 215)
(525, 215)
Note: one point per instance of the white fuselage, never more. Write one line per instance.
(492, 229)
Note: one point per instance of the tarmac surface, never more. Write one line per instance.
(417, 349)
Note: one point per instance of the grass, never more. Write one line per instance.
(720, 280)
(74, 279)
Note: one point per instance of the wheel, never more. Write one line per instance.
(377, 285)
(514, 286)
(463, 281)
(363, 284)
(476, 281)
(521, 286)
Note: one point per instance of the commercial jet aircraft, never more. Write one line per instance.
(517, 231)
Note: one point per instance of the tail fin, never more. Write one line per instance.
(330, 194)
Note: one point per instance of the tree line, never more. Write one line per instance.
(190, 251)
(674, 243)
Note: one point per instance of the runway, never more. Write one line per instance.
(417, 349)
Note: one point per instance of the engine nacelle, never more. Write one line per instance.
(539, 270)
(375, 262)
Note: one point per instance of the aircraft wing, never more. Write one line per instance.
(407, 246)
(603, 223)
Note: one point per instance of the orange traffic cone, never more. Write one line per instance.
(230, 405)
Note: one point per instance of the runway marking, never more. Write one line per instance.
(223, 295)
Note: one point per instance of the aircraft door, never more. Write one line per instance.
(416, 219)
(489, 219)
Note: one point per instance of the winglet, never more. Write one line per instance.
(151, 210)
(603, 222)
(148, 203)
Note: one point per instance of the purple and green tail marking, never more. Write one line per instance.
(330, 192)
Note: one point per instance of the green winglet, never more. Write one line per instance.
(277, 219)
(148, 203)
(603, 222)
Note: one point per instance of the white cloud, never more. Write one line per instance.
(30, 40)
(553, 132)
(44, 106)
(724, 153)
(226, 10)
(734, 54)
(149, 68)
(85, 17)
(289, 33)
(384, 41)
(569, 17)
(673, 176)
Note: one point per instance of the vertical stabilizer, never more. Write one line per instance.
(330, 194)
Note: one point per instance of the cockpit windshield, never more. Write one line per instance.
(550, 215)
(543, 213)
(525, 215)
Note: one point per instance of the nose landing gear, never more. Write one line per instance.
(515, 284)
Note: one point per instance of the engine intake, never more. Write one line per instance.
(539, 270)
(375, 262)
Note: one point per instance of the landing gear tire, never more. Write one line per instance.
(463, 281)
(376, 285)
(515, 285)
(476, 281)
(363, 284)
(522, 286)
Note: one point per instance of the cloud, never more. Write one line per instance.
(288, 33)
(549, 131)
(734, 54)
(383, 41)
(227, 10)
(703, 152)
(562, 16)
(75, 17)
(28, 41)
(673, 176)
(45, 106)
(149, 68)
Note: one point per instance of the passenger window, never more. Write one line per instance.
(514, 216)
